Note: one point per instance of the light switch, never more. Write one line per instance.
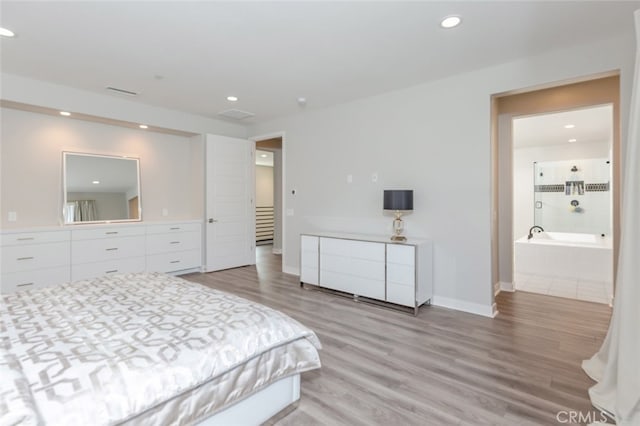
(13, 216)
(165, 211)
(349, 178)
(374, 177)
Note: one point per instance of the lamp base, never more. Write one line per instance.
(399, 238)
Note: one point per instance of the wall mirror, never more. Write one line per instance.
(100, 188)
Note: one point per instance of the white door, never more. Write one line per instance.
(230, 216)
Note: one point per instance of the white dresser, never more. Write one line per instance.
(107, 250)
(34, 259)
(369, 266)
(174, 247)
(50, 256)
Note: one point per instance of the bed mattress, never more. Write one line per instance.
(139, 349)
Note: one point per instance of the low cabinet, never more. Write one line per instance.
(369, 266)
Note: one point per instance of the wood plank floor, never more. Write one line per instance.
(443, 367)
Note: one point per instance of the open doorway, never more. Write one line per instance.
(579, 94)
(269, 206)
(562, 204)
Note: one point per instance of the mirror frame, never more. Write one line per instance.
(65, 154)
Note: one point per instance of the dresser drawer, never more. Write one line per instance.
(26, 238)
(170, 262)
(34, 256)
(352, 267)
(401, 274)
(401, 294)
(98, 269)
(84, 251)
(356, 285)
(353, 249)
(34, 279)
(173, 228)
(110, 232)
(168, 243)
(404, 255)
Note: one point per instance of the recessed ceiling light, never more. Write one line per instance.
(450, 21)
(6, 33)
(569, 126)
(232, 98)
(65, 113)
(96, 182)
(572, 140)
(143, 126)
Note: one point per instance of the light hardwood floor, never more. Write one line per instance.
(443, 367)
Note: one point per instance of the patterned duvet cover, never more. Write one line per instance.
(139, 349)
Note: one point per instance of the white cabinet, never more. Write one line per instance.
(353, 266)
(39, 258)
(34, 259)
(174, 247)
(369, 266)
(309, 252)
(107, 250)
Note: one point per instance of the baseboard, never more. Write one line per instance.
(291, 270)
(276, 251)
(461, 305)
(504, 286)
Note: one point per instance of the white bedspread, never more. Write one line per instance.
(136, 348)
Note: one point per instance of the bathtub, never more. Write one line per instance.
(584, 257)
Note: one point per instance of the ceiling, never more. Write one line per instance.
(591, 125)
(264, 158)
(190, 56)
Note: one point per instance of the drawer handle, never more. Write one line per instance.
(112, 249)
(111, 272)
(24, 284)
(174, 228)
(25, 258)
(175, 261)
(111, 232)
(26, 239)
(174, 242)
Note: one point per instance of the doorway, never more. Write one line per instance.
(562, 204)
(269, 199)
(578, 94)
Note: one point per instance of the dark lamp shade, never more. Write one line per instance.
(398, 199)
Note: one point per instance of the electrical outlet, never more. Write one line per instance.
(13, 216)
(165, 211)
(289, 212)
(349, 178)
(374, 177)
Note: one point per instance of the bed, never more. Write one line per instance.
(144, 349)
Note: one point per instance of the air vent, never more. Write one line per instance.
(236, 114)
(122, 91)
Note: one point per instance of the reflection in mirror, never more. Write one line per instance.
(100, 188)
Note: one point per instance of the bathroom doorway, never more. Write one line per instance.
(562, 203)
(580, 94)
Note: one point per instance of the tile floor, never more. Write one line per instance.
(591, 291)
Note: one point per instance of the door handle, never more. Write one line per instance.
(211, 220)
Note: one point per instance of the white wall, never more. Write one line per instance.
(523, 159)
(31, 166)
(264, 186)
(433, 138)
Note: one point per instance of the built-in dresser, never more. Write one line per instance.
(33, 259)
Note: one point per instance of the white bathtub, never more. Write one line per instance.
(584, 257)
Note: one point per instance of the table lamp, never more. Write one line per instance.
(400, 201)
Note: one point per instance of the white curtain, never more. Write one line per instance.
(81, 211)
(616, 367)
